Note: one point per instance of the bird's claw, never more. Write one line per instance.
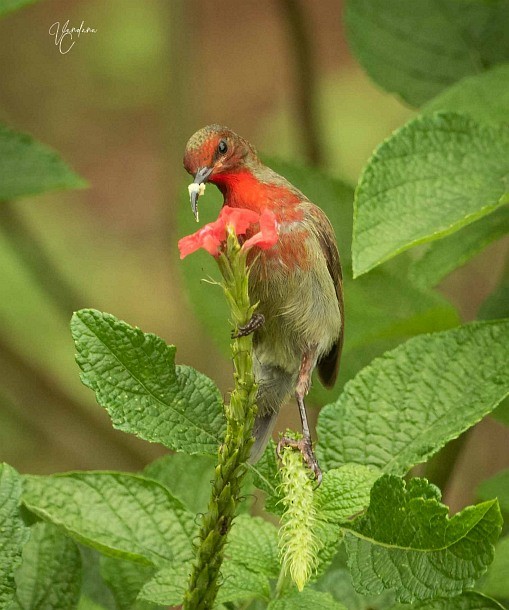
(305, 447)
(257, 321)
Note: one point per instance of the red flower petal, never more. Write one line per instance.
(204, 238)
(268, 234)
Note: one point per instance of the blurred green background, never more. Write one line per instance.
(119, 107)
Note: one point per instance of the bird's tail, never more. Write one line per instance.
(274, 387)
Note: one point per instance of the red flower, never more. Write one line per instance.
(211, 236)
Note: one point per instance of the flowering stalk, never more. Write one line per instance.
(234, 452)
(297, 540)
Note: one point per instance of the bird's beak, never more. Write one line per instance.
(197, 187)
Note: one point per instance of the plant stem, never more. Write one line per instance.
(234, 452)
(305, 78)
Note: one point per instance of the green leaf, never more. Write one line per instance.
(266, 477)
(469, 600)
(93, 586)
(168, 586)
(121, 515)
(417, 49)
(14, 532)
(430, 178)
(484, 96)
(445, 255)
(251, 561)
(187, 477)
(125, 580)
(496, 582)
(8, 6)
(50, 574)
(409, 403)
(405, 542)
(309, 598)
(28, 167)
(344, 492)
(496, 487)
(134, 377)
(338, 582)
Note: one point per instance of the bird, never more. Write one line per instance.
(297, 283)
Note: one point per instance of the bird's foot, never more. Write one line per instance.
(257, 321)
(305, 447)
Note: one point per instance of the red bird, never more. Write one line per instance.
(297, 283)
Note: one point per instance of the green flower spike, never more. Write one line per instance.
(297, 541)
(233, 454)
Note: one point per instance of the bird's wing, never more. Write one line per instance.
(328, 365)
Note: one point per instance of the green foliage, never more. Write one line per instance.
(121, 515)
(483, 96)
(433, 176)
(406, 542)
(135, 378)
(441, 182)
(188, 478)
(251, 562)
(126, 579)
(445, 255)
(13, 531)
(406, 405)
(417, 49)
(496, 582)
(50, 574)
(28, 167)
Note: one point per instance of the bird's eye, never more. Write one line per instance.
(222, 147)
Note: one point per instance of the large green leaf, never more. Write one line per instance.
(417, 49)
(433, 176)
(28, 167)
(344, 492)
(119, 514)
(13, 532)
(188, 477)
(496, 582)
(134, 377)
(409, 403)
(50, 575)
(405, 542)
(484, 96)
(445, 255)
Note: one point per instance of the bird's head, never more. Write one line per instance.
(212, 155)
